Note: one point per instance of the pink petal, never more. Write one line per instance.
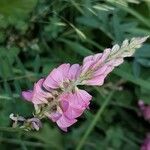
(103, 57)
(39, 95)
(96, 57)
(60, 74)
(73, 104)
(64, 129)
(54, 116)
(80, 99)
(98, 80)
(108, 70)
(74, 72)
(85, 96)
(100, 71)
(72, 113)
(50, 83)
(88, 58)
(64, 69)
(56, 77)
(105, 54)
(64, 105)
(64, 122)
(87, 66)
(27, 95)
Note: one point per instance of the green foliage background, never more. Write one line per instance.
(37, 35)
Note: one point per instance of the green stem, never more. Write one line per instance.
(95, 120)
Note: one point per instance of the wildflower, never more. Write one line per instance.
(58, 97)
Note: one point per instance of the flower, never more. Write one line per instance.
(145, 110)
(58, 97)
(146, 143)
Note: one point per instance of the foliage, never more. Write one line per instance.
(36, 36)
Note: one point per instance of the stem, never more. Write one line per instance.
(95, 120)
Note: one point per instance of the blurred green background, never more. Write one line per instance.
(38, 35)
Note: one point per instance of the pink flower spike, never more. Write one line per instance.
(110, 58)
